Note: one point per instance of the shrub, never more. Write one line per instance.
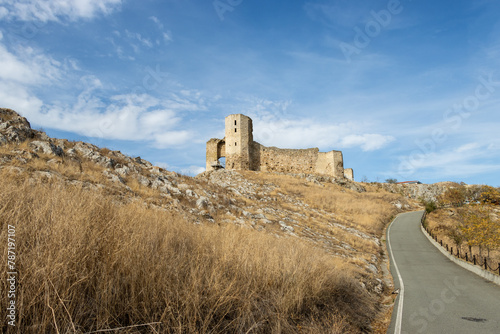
(430, 206)
(455, 196)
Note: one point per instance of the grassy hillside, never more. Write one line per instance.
(110, 243)
(88, 262)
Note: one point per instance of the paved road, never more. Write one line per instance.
(436, 295)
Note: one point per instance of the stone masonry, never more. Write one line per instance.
(242, 153)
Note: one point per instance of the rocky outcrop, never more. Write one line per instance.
(92, 153)
(13, 127)
(46, 148)
(419, 192)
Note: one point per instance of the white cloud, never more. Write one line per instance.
(54, 10)
(136, 36)
(167, 36)
(120, 116)
(172, 138)
(158, 120)
(192, 170)
(27, 66)
(3, 12)
(273, 125)
(468, 147)
(463, 161)
(189, 170)
(306, 133)
(367, 142)
(126, 117)
(17, 97)
(21, 70)
(157, 22)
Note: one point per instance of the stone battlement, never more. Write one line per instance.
(242, 153)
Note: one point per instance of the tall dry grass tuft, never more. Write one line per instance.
(87, 263)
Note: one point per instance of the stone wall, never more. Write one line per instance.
(330, 163)
(273, 159)
(215, 150)
(349, 174)
(295, 161)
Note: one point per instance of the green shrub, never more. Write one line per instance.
(430, 206)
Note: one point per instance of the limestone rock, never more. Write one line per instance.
(143, 180)
(46, 148)
(3, 140)
(123, 170)
(113, 177)
(285, 227)
(92, 153)
(202, 203)
(13, 127)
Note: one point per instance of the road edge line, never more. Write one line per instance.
(399, 315)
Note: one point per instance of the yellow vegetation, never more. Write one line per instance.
(87, 263)
(473, 228)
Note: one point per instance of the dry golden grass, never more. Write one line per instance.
(369, 211)
(88, 263)
(7, 148)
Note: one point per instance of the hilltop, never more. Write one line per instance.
(117, 242)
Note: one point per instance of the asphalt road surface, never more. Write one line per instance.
(436, 295)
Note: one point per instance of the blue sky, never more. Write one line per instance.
(406, 89)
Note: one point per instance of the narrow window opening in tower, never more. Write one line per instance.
(235, 122)
(235, 130)
(235, 144)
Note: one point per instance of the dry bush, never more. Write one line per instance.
(88, 263)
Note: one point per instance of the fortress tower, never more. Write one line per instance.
(239, 140)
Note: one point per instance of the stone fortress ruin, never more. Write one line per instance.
(243, 153)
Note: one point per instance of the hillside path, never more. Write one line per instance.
(436, 295)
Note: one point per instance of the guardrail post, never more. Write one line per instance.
(474, 259)
(486, 263)
(466, 259)
(498, 268)
(451, 250)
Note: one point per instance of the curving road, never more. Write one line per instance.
(436, 295)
